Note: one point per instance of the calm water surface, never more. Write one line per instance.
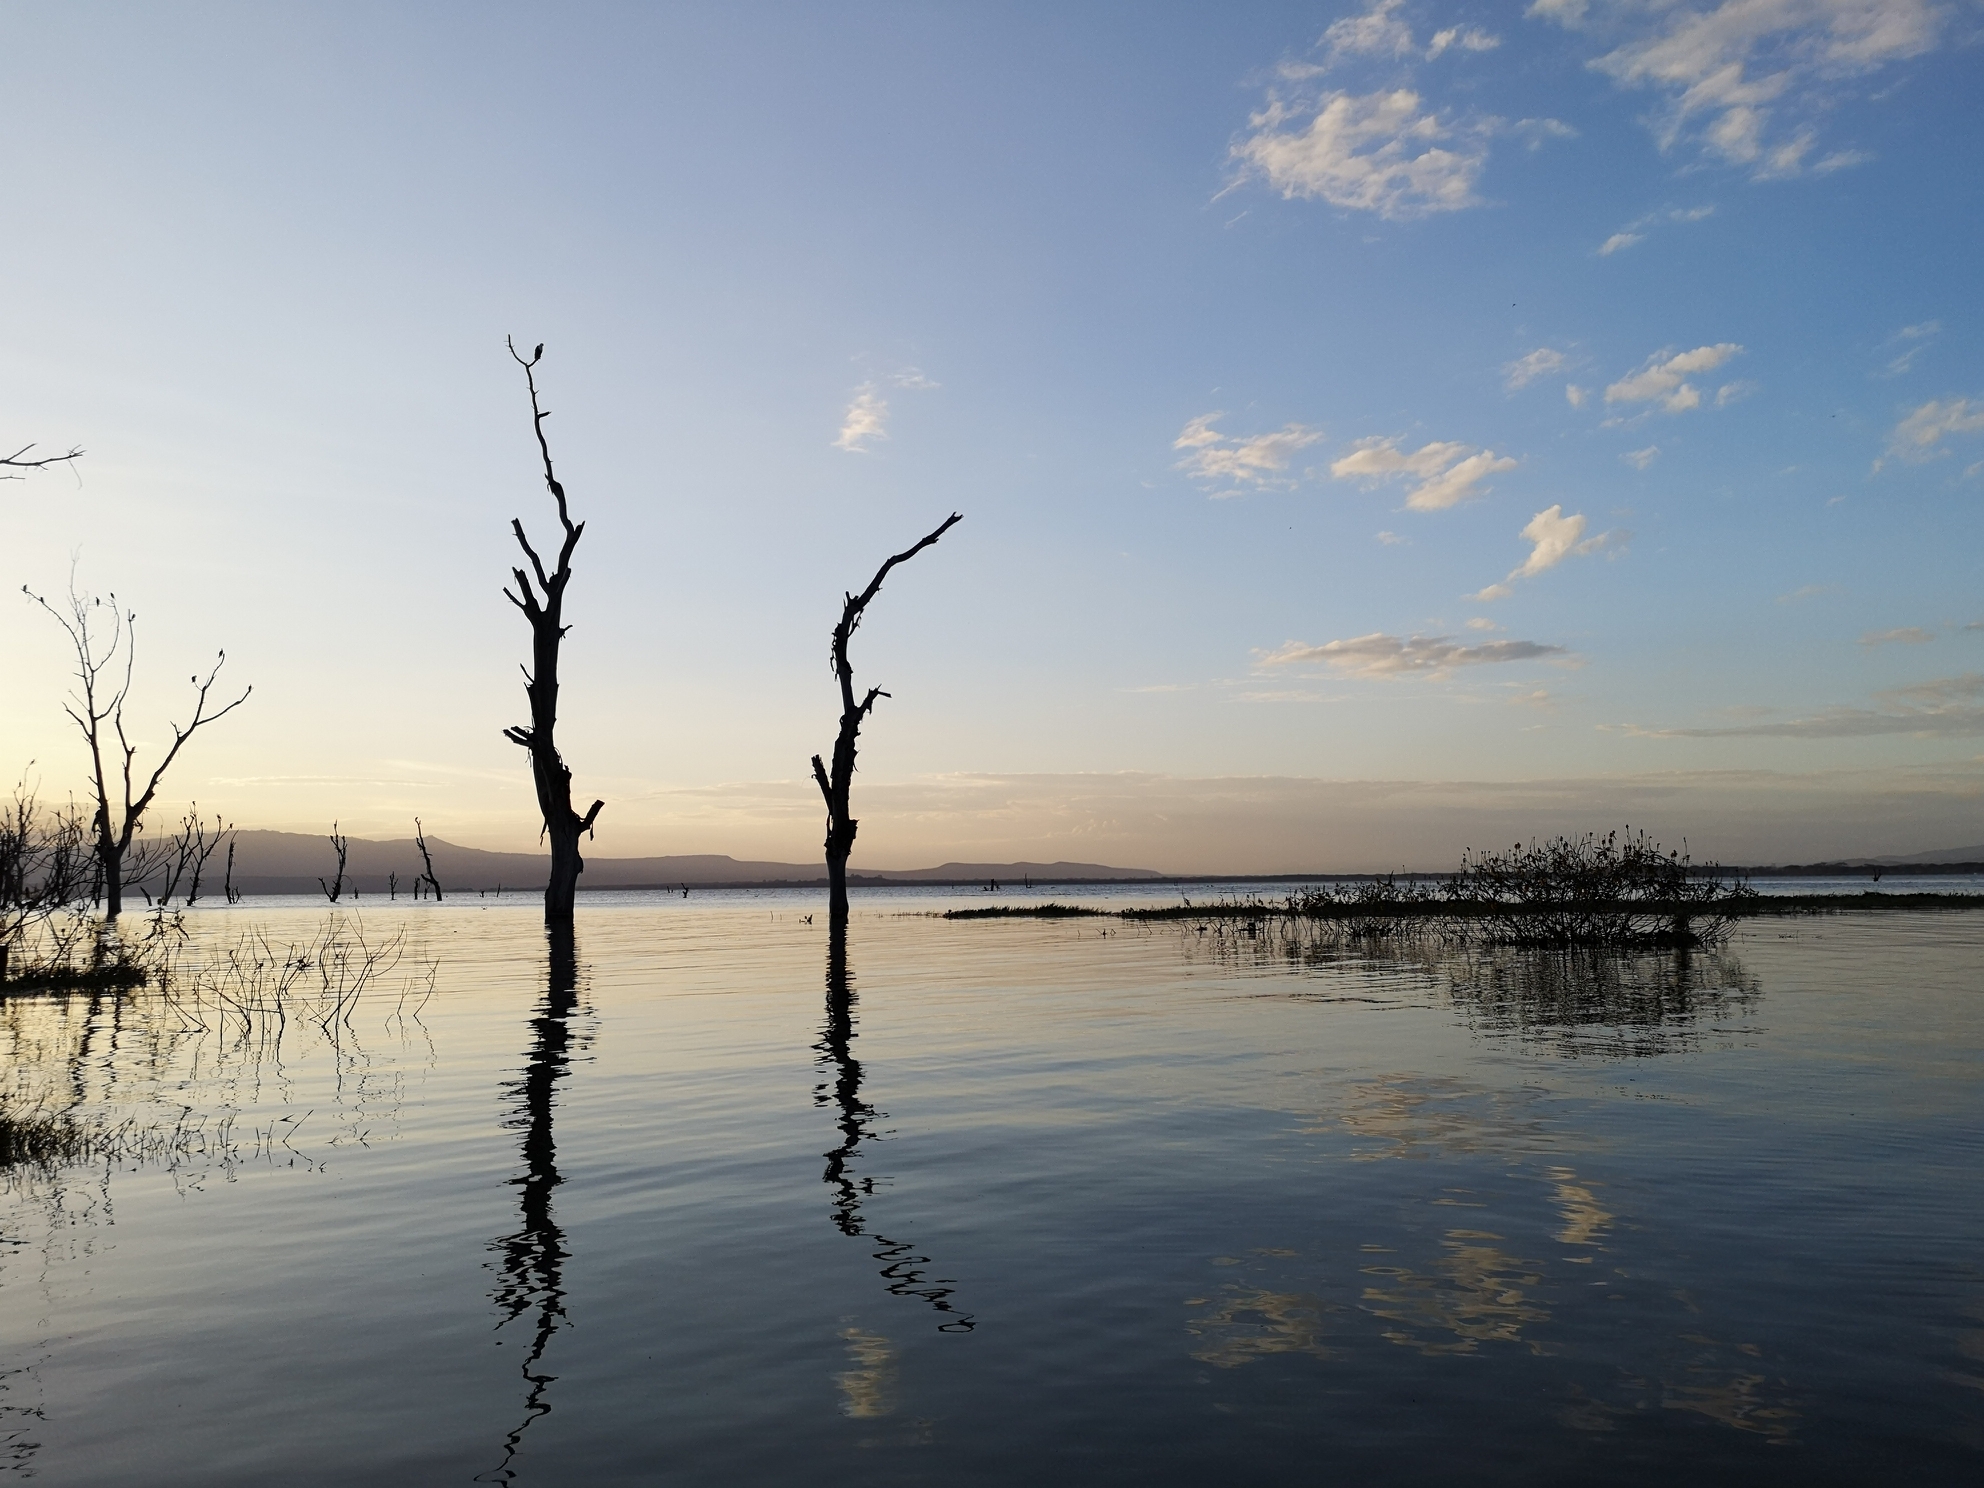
(1000, 1201)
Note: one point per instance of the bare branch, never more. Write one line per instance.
(18, 461)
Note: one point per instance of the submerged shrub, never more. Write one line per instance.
(1615, 890)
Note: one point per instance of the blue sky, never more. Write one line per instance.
(1378, 430)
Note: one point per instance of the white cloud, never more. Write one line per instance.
(1733, 392)
(1552, 537)
(867, 419)
(1841, 160)
(1575, 395)
(1375, 152)
(1381, 655)
(1224, 459)
(1376, 32)
(912, 377)
(1906, 635)
(1662, 379)
(1533, 132)
(1482, 622)
(1634, 232)
(1527, 368)
(1447, 472)
(1639, 459)
(1392, 539)
(1467, 38)
(1916, 338)
(1730, 72)
(1918, 436)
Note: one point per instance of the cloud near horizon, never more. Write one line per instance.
(1447, 472)
(1381, 655)
(1947, 707)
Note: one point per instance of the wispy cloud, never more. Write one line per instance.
(912, 377)
(1525, 369)
(1904, 635)
(1381, 655)
(866, 421)
(1809, 591)
(1635, 232)
(1919, 436)
(1639, 459)
(1392, 539)
(1946, 707)
(1381, 32)
(1575, 395)
(1914, 340)
(1748, 79)
(1223, 459)
(1552, 537)
(1663, 378)
(1447, 473)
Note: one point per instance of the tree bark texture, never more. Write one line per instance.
(835, 783)
(544, 607)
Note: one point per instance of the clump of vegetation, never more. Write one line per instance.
(40, 1139)
(50, 876)
(1023, 911)
(1622, 890)
(1615, 890)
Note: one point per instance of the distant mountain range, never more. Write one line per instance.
(293, 862)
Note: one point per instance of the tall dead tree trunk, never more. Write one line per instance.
(97, 709)
(834, 784)
(544, 608)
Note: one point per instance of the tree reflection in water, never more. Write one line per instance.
(534, 1256)
(902, 1267)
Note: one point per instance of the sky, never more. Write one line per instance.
(1379, 430)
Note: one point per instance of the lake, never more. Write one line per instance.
(1073, 1201)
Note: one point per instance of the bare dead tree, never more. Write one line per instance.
(336, 886)
(97, 709)
(227, 883)
(187, 854)
(392, 886)
(834, 785)
(19, 460)
(544, 607)
(420, 841)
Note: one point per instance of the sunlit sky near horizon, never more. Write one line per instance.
(1378, 430)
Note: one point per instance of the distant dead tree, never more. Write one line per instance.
(335, 887)
(227, 883)
(420, 841)
(834, 784)
(544, 609)
(97, 709)
(185, 855)
(19, 460)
